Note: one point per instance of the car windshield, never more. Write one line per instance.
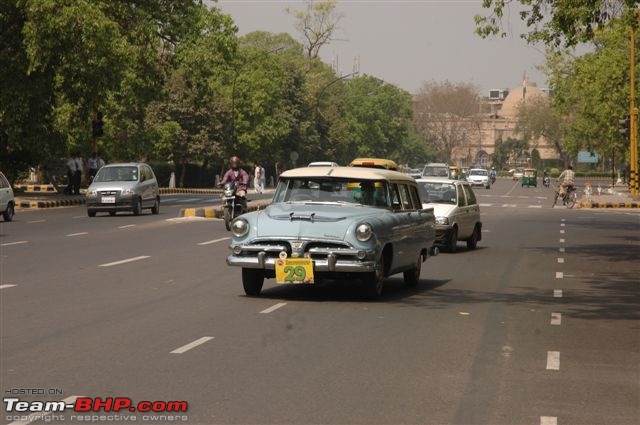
(125, 173)
(435, 171)
(478, 173)
(437, 193)
(323, 190)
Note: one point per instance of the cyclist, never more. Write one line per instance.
(567, 180)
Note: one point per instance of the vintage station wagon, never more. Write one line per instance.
(335, 222)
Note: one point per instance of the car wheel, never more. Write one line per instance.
(112, 213)
(453, 240)
(156, 207)
(412, 276)
(375, 281)
(472, 242)
(252, 280)
(9, 213)
(91, 213)
(137, 207)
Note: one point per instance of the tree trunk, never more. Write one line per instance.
(183, 173)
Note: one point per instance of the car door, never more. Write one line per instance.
(147, 185)
(401, 228)
(5, 192)
(422, 223)
(462, 213)
(473, 209)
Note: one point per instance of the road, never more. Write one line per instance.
(540, 325)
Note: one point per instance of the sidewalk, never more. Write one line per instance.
(617, 197)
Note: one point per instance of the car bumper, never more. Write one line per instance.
(478, 183)
(443, 235)
(330, 264)
(122, 204)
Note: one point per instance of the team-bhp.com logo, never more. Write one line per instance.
(94, 404)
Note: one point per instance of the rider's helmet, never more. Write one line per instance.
(235, 162)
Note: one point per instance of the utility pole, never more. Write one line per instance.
(633, 125)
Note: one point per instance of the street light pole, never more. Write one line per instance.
(633, 124)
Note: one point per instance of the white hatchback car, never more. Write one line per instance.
(7, 201)
(479, 177)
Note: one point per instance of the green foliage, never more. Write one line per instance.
(556, 22)
(507, 151)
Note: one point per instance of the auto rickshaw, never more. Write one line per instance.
(530, 177)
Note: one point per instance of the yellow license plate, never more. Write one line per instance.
(294, 271)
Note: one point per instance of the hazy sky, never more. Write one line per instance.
(407, 42)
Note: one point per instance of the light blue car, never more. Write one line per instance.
(335, 223)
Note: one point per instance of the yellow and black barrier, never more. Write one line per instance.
(626, 204)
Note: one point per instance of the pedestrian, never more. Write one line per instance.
(71, 175)
(92, 166)
(258, 178)
(77, 181)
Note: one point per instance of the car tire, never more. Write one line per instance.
(375, 281)
(137, 207)
(252, 281)
(412, 276)
(156, 206)
(112, 213)
(91, 213)
(472, 242)
(9, 212)
(452, 246)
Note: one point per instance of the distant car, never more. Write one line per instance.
(479, 177)
(518, 173)
(416, 173)
(123, 187)
(456, 209)
(322, 164)
(7, 201)
(436, 169)
(385, 164)
(342, 223)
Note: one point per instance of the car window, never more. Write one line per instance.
(415, 197)
(405, 196)
(437, 192)
(325, 190)
(471, 197)
(461, 199)
(395, 197)
(148, 174)
(126, 173)
(4, 183)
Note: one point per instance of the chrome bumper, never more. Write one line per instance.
(330, 264)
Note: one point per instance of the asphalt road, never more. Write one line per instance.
(540, 325)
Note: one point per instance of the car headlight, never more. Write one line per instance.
(442, 220)
(128, 192)
(92, 193)
(364, 232)
(239, 227)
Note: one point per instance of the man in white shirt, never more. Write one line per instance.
(71, 173)
(79, 168)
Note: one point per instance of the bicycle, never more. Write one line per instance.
(569, 198)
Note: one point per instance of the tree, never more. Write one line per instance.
(536, 119)
(508, 151)
(556, 22)
(317, 24)
(446, 114)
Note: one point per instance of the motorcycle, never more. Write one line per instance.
(546, 181)
(493, 178)
(569, 198)
(233, 205)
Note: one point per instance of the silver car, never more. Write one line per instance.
(7, 201)
(479, 177)
(123, 187)
(456, 209)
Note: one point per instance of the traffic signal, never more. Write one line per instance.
(97, 124)
(625, 126)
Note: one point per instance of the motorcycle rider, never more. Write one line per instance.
(567, 179)
(493, 174)
(239, 177)
(545, 178)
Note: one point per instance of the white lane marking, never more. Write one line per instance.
(128, 260)
(182, 201)
(548, 420)
(559, 275)
(541, 197)
(36, 221)
(126, 226)
(557, 293)
(80, 216)
(37, 416)
(6, 286)
(562, 224)
(534, 206)
(509, 205)
(561, 240)
(214, 241)
(561, 249)
(561, 260)
(562, 231)
(553, 360)
(13, 243)
(191, 345)
(486, 231)
(273, 308)
(485, 205)
(78, 234)
(562, 219)
(556, 319)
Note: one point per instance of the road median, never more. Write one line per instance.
(217, 212)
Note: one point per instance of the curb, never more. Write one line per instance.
(35, 188)
(51, 204)
(589, 204)
(216, 212)
(166, 190)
